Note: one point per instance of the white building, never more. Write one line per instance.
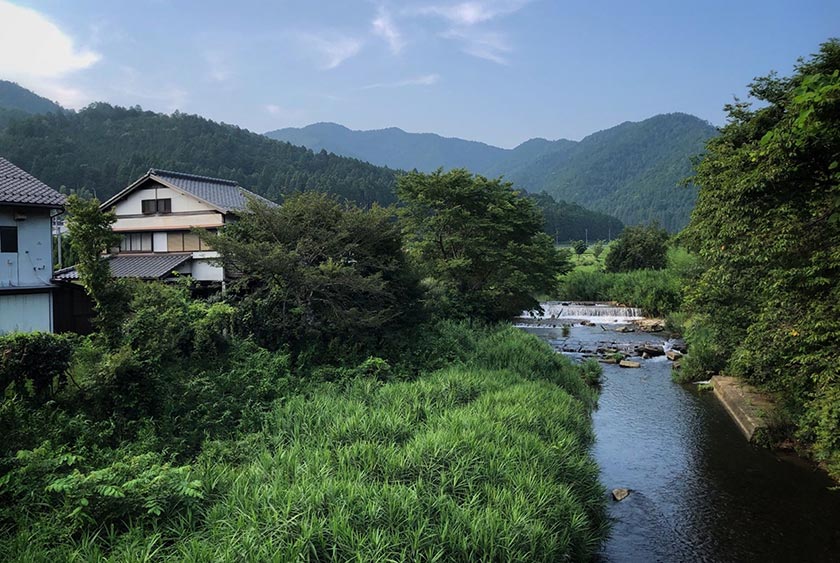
(27, 206)
(156, 216)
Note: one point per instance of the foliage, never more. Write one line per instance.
(638, 247)
(90, 237)
(34, 365)
(579, 247)
(631, 171)
(17, 98)
(478, 241)
(316, 273)
(767, 228)
(565, 221)
(105, 148)
(598, 248)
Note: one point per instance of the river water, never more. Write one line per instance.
(700, 491)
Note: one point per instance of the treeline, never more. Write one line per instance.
(104, 148)
(348, 398)
(569, 221)
(757, 293)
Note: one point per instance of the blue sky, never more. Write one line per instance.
(498, 71)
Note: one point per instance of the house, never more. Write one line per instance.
(27, 207)
(156, 216)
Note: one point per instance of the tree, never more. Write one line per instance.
(598, 248)
(478, 242)
(579, 246)
(638, 248)
(90, 237)
(316, 273)
(767, 228)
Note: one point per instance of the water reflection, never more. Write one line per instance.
(701, 492)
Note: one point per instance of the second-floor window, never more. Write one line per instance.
(8, 239)
(136, 242)
(153, 206)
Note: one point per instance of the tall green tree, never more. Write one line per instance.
(479, 243)
(90, 237)
(641, 247)
(767, 227)
(316, 273)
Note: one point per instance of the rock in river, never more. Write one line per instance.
(620, 494)
(629, 364)
(673, 355)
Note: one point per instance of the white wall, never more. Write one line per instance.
(32, 265)
(180, 203)
(26, 312)
(204, 269)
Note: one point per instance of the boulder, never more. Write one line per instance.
(650, 350)
(651, 325)
(629, 364)
(620, 494)
(673, 355)
(625, 329)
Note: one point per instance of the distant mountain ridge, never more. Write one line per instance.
(16, 101)
(632, 171)
(103, 148)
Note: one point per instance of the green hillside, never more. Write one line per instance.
(16, 102)
(631, 171)
(104, 148)
(394, 147)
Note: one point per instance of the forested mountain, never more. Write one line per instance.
(569, 221)
(631, 171)
(104, 148)
(16, 101)
(394, 147)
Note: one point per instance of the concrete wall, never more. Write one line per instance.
(31, 266)
(26, 312)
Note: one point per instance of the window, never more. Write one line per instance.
(152, 206)
(8, 239)
(185, 242)
(136, 242)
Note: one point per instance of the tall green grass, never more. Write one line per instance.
(485, 460)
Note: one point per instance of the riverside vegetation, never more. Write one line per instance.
(752, 282)
(348, 399)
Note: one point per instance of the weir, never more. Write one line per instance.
(603, 312)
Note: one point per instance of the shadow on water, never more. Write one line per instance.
(700, 491)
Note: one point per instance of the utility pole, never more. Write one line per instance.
(587, 237)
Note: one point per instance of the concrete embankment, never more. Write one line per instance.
(750, 409)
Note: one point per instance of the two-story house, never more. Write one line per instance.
(156, 216)
(27, 207)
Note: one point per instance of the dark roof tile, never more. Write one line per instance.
(227, 195)
(142, 266)
(19, 187)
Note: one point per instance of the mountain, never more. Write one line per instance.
(631, 171)
(393, 147)
(104, 148)
(16, 101)
(16, 97)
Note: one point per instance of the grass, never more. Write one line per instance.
(487, 459)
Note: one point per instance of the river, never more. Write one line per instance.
(700, 491)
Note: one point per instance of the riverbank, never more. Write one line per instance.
(699, 490)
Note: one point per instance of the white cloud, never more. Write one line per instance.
(424, 80)
(38, 54)
(472, 12)
(383, 26)
(329, 50)
(485, 45)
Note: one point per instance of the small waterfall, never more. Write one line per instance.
(597, 312)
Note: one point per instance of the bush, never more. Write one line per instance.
(34, 365)
(639, 247)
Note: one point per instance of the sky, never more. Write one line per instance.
(497, 71)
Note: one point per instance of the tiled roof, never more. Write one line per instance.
(20, 187)
(227, 195)
(142, 266)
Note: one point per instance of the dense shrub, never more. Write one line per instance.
(34, 365)
(638, 247)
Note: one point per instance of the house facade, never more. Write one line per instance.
(156, 218)
(27, 207)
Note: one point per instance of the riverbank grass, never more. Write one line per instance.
(485, 460)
